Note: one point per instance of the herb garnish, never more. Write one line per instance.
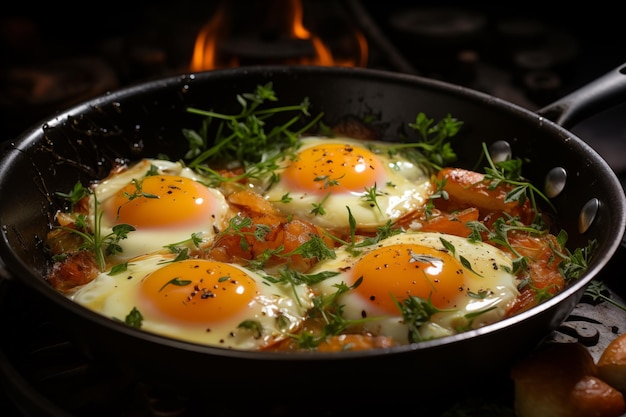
(371, 196)
(416, 312)
(73, 197)
(510, 172)
(93, 240)
(598, 290)
(244, 137)
(328, 309)
(434, 150)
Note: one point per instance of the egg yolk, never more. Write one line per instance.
(336, 168)
(408, 270)
(160, 201)
(197, 291)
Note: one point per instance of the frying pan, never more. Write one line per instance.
(143, 120)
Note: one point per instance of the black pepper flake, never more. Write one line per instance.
(207, 294)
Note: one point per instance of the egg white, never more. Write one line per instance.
(116, 295)
(144, 241)
(489, 263)
(405, 188)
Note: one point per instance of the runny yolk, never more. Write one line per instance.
(161, 201)
(408, 270)
(336, 168)
(197, 291)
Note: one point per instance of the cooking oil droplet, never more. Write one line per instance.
(137, 147)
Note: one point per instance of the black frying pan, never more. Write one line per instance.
(83, 142)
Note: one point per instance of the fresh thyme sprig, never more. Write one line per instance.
(509, 172)
(371, 196)
(434, 151)
(318, 208)
(416, 312)
(238, 224)
(328, 308)
(244, 137)
(439, 192)
(93, 240)
(499, 236)
(598, 290)
(293, 278)
(573, 264)
(352, 246)
(75, 195)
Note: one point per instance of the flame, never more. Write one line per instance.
(206, 57)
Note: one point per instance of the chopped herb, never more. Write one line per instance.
(73, 197)
(416, 312)
(176, 281)
(509, 172)
(371, 194)
(101, 246)
(598, 290)
(252, 325)
(118, 269)
(318, 209)
(134, 318)
(244, 137)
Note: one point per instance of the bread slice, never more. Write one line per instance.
(612, 363)
(561, 380)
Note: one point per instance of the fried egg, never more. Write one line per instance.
(200, 301)
(470, 283)
(327, 175)
(165, 202)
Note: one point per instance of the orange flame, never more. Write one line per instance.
(206, 55)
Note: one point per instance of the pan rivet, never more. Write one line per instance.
(500, 151)
(555, 182)
(588, 214)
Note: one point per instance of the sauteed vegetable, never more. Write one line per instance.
(317, 238)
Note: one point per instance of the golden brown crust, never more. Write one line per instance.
(612, 363)
(592, 397)
(561, 380)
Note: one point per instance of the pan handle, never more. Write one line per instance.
(601, 94)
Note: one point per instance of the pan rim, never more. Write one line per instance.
(16, 268)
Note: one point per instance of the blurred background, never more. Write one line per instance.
(54, 56)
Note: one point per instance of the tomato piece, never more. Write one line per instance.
(355, 342)
(470, 189)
